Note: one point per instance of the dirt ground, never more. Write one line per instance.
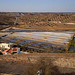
(17, 64)
(39, 20)
(61, 26)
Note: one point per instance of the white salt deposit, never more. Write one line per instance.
(60, 37)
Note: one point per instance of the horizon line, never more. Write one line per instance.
(33, 12)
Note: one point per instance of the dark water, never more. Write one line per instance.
(72, 47)
(25, 30)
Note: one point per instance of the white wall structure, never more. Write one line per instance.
(5, 45)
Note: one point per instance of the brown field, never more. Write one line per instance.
(19, 63)
(39, 20)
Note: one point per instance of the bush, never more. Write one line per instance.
(43, 65)
(71, 44)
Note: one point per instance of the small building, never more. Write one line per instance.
(9, 48)
(11, 51)
(5, 45)
(16, 50)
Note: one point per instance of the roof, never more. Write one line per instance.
(5, 51)
(10, 50)
(15, 49)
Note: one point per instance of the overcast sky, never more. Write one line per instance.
(37, 5)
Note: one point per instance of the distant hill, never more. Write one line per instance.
(39, 20)
(7, 18)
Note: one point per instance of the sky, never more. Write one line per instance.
(37, 5)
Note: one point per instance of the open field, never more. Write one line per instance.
(39, 20)
(47, 21)
(19, 63)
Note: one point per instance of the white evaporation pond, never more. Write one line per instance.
(60, 37)
(3, 33)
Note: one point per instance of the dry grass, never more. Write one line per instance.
(46, 21)
(39, 20)
(22, 63)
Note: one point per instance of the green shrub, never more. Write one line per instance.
(71, 44)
